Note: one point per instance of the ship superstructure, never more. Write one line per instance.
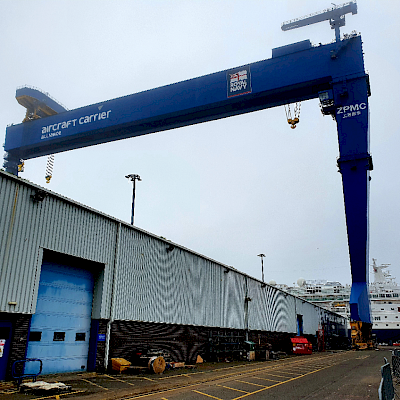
(384, 296)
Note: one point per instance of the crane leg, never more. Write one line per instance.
(11, 162)
(351, 100)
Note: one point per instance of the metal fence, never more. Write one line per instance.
(389, 387)
(386, 389)
(396, 372)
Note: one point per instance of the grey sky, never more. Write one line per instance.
(229, 189)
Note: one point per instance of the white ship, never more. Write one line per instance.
(384, 296)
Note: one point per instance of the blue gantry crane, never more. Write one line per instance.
(334, 73)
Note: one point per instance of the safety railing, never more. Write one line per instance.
(396, 372)
(42, 91)
(18, 369)
(386, 389)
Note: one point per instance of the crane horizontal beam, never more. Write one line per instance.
(292, 75)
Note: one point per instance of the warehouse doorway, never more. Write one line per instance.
(299, 325)
(5, 341)
(60, 328)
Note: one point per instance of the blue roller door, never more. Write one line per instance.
(60, 328)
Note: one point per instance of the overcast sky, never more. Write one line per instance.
(228, 189)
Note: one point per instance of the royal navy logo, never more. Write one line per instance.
(239, 81)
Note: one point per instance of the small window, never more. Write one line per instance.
(59, 336)
(80, 337)
(35, 336)
(387, 324)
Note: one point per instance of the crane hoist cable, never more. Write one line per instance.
(296, 114)
(49, 168)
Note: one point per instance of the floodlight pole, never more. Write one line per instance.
(262, 264)
(133, 178)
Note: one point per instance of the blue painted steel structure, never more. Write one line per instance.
(334, 72)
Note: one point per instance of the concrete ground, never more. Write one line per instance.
(329, 375)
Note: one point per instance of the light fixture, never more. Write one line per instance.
(39, 196)
(262, 265)
(133, 178)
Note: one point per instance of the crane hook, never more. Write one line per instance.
(293, 121)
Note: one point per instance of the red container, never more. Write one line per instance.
(301, 345)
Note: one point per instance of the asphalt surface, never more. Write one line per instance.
(329, 375)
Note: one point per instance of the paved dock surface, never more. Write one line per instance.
(329, 375)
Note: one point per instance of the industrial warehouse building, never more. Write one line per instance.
(78, 287)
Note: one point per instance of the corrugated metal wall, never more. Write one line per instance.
(151, 284)
(28, 227)
(176, 286)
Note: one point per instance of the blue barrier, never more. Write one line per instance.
(20, 377)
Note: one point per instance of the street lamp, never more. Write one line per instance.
(133, 178)
(262, 264)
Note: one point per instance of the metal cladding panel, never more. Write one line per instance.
(234, 293)
(156, 285)
(55, 224)
(270, 309)
(311, 316)
(17, 258)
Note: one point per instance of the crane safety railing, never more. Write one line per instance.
(42, 91)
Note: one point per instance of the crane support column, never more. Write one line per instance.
(355, 162)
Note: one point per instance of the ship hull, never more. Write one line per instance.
(386, 335)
